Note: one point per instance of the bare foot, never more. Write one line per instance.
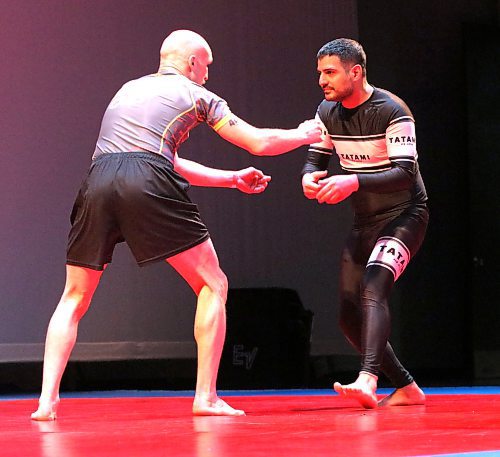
(405, 396)
(217, 407)
(363, 390)
(47, 411)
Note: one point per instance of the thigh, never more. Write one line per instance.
(82, 281)
(352, 267)
(409, 227)
(399, 241)
(79, 289)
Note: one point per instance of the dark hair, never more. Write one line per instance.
(347, 50)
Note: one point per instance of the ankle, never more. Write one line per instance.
(205, 397)
(368, 378)
(49, 401)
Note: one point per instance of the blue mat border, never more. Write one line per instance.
(478, 390)
(494, 453)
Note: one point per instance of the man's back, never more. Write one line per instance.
(155, 113)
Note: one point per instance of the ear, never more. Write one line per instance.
(357, 71)
(191, 60)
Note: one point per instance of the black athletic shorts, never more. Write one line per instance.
(135, 197)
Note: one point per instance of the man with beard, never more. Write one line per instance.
(372, 131)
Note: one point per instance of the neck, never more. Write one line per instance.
(169, 67)
(359, 96)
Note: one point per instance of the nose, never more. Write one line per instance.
(321, 80)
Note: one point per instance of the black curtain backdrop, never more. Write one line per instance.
(61, 62)
(421, 56)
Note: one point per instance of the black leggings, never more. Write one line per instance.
(364, 292)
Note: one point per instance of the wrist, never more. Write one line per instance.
(302, 136)
(234, 181)
(355, 182)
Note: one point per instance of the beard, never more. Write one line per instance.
(338, 95)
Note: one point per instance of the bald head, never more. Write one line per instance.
(188, 53)
(182, 43)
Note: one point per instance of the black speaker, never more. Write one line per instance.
(268, 340)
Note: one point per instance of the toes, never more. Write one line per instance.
(37, 416)
(338, 388)
(217, 408)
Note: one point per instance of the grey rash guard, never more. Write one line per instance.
(155, 114)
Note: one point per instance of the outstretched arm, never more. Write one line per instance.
(249, 180)
(269, 142)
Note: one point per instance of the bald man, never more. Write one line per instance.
(135, 191)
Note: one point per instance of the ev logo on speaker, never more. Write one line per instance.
(242, 357)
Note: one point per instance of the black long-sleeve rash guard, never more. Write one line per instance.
(377, 141)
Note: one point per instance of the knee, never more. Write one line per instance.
(344, 318)
(376, 285)
(216, 284)
(350, 321)
(370, 297)
(211, 311)
(350, 309)
(375, 304)
(75, 301)
(373, 292)
(221, 286)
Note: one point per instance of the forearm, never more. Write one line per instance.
(394, 180)
(200, 175)
(271, 142)
(318, 159)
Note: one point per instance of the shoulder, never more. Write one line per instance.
(202, 94)
(391, 105)
(326, 109)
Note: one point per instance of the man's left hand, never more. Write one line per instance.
(336, 188)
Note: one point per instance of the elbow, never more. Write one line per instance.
(405, 178)
(259, 148)
(261, 143)
(402, 183)
(408, 179)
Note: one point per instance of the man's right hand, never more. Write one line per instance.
(310, 184)
(312, 130)
(250, 180)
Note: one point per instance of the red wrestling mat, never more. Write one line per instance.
(290, 425)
